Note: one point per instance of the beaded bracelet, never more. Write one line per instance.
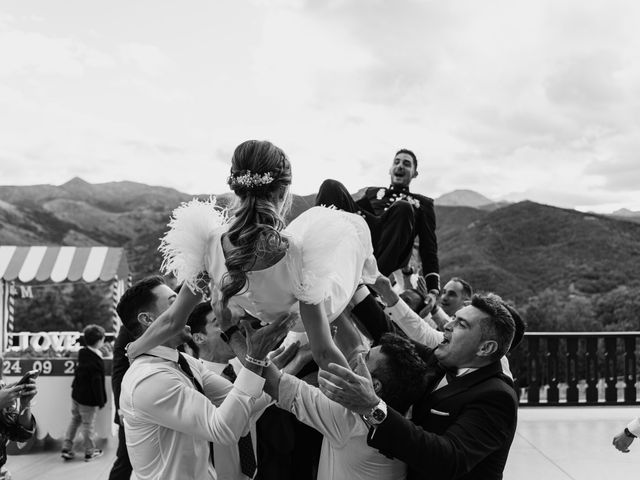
(254, 361)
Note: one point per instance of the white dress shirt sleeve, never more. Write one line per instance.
(311, 407)
(634, 426)
(165, 399)
(413, 325)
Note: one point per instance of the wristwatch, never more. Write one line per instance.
(228, 333)
(377, 414)
(628, 433)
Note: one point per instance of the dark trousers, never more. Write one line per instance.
(392, 232)
(287, 448)
(121, 469)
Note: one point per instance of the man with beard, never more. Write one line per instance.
(463, 425)
(395, 216)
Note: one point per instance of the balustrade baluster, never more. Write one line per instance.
(552, 370)
(533, 390)
(572, 377)
(592, 370)
(611, 376)
(629, 370)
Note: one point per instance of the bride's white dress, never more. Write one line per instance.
(329, 254)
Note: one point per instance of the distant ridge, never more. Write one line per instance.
(625, 212)
(463, 198)
(518, 250)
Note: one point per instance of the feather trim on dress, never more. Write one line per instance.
(335, 254)
(185, 247)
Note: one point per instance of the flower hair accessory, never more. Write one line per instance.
(250, 180)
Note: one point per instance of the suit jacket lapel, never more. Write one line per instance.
(460, 384)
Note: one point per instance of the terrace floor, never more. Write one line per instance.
(550, 444)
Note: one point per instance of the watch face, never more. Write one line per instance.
(379, 415)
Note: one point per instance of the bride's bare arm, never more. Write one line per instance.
(318, 330)
(168, 324)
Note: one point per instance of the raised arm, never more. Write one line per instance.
(318, 330)
(167, 325)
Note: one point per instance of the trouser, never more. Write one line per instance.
(83, 417)
(121, 469)
(392, 233)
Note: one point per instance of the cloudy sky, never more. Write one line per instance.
(514, 99)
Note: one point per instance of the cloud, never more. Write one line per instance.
(33, 53)
(149, 59)
(535, 97)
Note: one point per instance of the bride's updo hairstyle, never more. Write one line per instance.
(260, 178)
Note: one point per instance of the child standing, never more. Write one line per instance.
(88, 394)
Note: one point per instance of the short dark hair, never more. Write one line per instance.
(402, 375)
(466, 286)
(136, 299)
(498, 325)
(92, 334)
(520, 326)
(410, 153)
(197, 320)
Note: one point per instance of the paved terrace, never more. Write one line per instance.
(558, 443)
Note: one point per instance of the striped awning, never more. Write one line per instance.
(61, 264)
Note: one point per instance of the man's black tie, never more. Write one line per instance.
(245, 446)
(184, 366)
(230, 373)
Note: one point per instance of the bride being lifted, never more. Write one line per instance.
(253, 263)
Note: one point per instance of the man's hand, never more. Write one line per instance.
(28, 392)
(382, 286)
(350, 389)
(430, 301)
(293, 358)
(282, 356)
(260, 342)
(622, 442)
(9, 394)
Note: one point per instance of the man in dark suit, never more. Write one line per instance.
(121, 469)
(395, 216)
(463, 426)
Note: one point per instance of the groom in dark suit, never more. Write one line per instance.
(463, 426)
(395, 217)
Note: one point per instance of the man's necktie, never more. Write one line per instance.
(184, 366)
(451, 374)
(245, 446)
(229, 372)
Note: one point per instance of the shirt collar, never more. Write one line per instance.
(96, 351)
(214, 366)
(399, 189)
(167, 353)
(465, 371)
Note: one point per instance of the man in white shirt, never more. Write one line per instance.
(397, 374)
(172, 406)
(218, 357)
(465, 427)
(421, 332)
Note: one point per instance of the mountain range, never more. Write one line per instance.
(516, 250)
